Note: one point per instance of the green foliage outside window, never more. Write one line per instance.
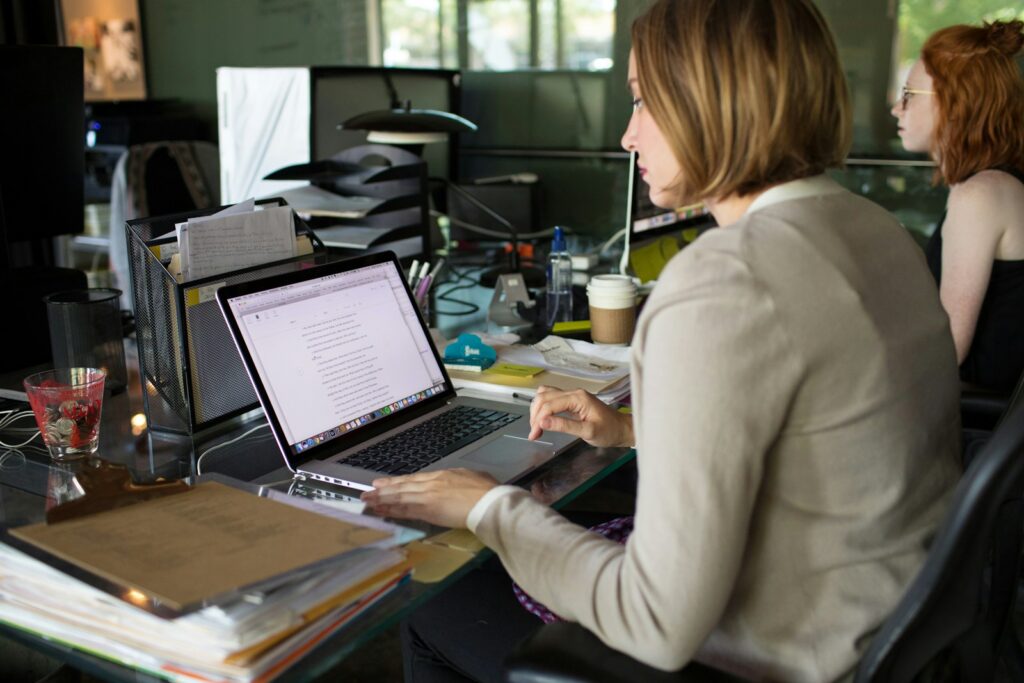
(921, 18)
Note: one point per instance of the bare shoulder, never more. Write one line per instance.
(987, 187)
(987, 198)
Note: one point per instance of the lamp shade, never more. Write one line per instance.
(405, 125)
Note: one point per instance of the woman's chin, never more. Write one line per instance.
(912, 147)
(663, 199)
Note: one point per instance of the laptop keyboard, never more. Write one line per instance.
(428, 442)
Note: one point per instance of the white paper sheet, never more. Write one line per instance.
(217, 244)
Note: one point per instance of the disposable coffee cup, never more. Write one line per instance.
(612, 300)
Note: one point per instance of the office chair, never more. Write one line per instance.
(564, 652)
(980, 408)
(956, 615)
(981, 412)
(952, 624)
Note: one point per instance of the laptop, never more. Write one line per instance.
(352, 386)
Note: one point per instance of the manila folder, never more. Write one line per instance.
(194, 547)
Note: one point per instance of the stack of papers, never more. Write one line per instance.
(139, 575)
(237, 237)
(252, 638)
(316, 201)
(567, 364)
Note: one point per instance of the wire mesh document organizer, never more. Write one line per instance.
(186, 354)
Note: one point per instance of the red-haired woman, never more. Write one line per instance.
(963, 103)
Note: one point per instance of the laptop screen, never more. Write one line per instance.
(337, 352)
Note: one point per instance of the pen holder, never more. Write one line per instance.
(426, 309)
(186, 354)
(422, 290)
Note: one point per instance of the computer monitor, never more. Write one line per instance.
(42, 119)
(656, 234)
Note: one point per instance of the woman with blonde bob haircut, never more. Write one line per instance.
(795, 398)
(743, 127)
(963, 104)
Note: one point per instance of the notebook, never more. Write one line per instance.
(352, 386)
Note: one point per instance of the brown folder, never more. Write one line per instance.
(177, 553)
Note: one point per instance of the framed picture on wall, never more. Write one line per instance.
(110, 34)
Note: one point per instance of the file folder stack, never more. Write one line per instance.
(208, 583)
(251, 638)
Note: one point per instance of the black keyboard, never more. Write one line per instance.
(428, 442)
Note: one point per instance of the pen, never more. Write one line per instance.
(412, 271)
(523, 397)
(423, 272)
(436, 269)
(422, 288)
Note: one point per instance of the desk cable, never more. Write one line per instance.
(487, 232)
(9, 417)
(268, 484)
(470, 308)
(211, 449)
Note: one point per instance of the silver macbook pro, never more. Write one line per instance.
(353, 388)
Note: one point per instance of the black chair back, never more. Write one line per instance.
(952, 620)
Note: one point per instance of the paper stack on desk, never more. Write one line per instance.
(253, 635)
(237, 237)
(316, 201)
(565, 364)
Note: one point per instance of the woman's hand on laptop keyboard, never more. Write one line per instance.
(583, 415)
(441, 497)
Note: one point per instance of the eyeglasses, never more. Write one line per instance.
(906, 92)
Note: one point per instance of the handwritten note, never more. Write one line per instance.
(218, 244)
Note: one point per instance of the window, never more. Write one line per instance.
(576, 34)
(418, 33)
(918, 19)
(498, 35)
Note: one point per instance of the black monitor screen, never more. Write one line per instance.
(42, 119)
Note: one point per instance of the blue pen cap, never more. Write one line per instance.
(558, 241)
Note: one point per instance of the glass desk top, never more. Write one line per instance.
(30, 483)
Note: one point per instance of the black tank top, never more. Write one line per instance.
(996, 358)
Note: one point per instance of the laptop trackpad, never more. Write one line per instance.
(510, 452)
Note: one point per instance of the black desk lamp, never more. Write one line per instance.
(403, 126)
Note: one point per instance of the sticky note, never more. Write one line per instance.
(514, 370)
(571, 326)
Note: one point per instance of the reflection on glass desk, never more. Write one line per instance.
(244, 449)
(30, 483)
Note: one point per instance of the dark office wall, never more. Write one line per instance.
(558, 111)
(28, 22)
(543, 111)
(186, 40)
(865, 34)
